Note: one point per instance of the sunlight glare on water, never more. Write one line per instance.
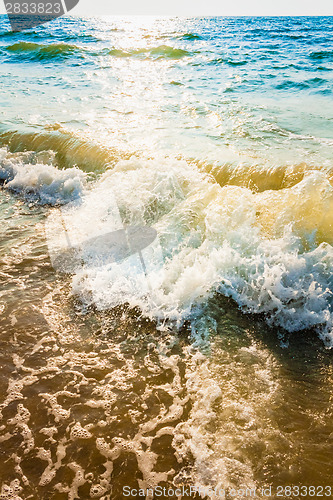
(211, 365)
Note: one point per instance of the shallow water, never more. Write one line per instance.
(216, 372)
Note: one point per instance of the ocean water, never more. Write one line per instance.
(216, 370)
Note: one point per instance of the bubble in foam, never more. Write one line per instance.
(97, 490)
(11, 491)
(79, 432)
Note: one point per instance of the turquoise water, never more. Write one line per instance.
(216, 370)
(217, 89)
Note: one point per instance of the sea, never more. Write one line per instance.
(201, 365)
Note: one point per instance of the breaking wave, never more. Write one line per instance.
(260, 236)
(257, 246)
(70, 148)
(36, 179)
(162, 51)
(42, 52)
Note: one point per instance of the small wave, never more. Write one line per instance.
(162, 51)
(316, 81)
(296, 36)
(41, 52)
(260, 178)
(290, 85)
(322, 55)
(324, 68)
(323, 91)
(10, 34)
(311, 83)
(231, 62)
(40, 182)
(70, 149)
(190, 36)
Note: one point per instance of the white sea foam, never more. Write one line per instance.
(27, 175)
(269, 251)
(225, 239)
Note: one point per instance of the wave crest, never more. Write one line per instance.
(42, 182)
(162, 51)
(45, 51)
